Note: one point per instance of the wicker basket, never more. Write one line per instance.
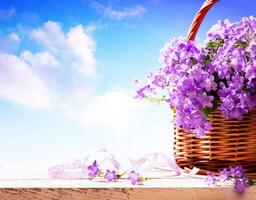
(230, 142)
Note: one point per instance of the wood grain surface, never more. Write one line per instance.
(125, 193)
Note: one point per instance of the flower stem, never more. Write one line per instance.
(156, 99)
(119, 175)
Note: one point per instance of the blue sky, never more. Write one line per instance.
(67, 70)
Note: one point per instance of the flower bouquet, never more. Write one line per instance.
(212, 90)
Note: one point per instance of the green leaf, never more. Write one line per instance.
(252, 182)
(241, 44)
(212, 44)
(207, 110)
(207, 59)
(194, 61)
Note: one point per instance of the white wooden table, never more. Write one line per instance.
(25, 183)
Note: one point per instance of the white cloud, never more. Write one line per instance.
(9, 43)
(19, 84)
(125, 125)
(131, 12)
(7, 14)
(40, 59)
(14, 37)
(23, 81)
(115, 110)
(74, 49)
(118, 111)
(90, 28)
(82, 47)
(70, 54)
(50, 35)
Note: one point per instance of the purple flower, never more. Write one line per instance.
(93, 170)
(110, 176)
(224, 175)
(142, 92)
(241, 184)
(134, 178)
(159, 81)
(253, 86)
(136, 81)
(210, 179)
(198, 80)
(237, 172)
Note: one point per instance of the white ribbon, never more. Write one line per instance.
(77, 169)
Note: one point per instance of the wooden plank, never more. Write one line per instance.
(125, 193)
(27, 183)
(171, 182)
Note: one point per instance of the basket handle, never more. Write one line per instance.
(199, 18)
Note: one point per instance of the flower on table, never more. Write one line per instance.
(236, 175)
(224, 174)
(93, 170)
(134, 178)
(210, 178)
(241, 184)
(237, 171)
(111, 176)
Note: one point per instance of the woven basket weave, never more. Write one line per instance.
(230, 142)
